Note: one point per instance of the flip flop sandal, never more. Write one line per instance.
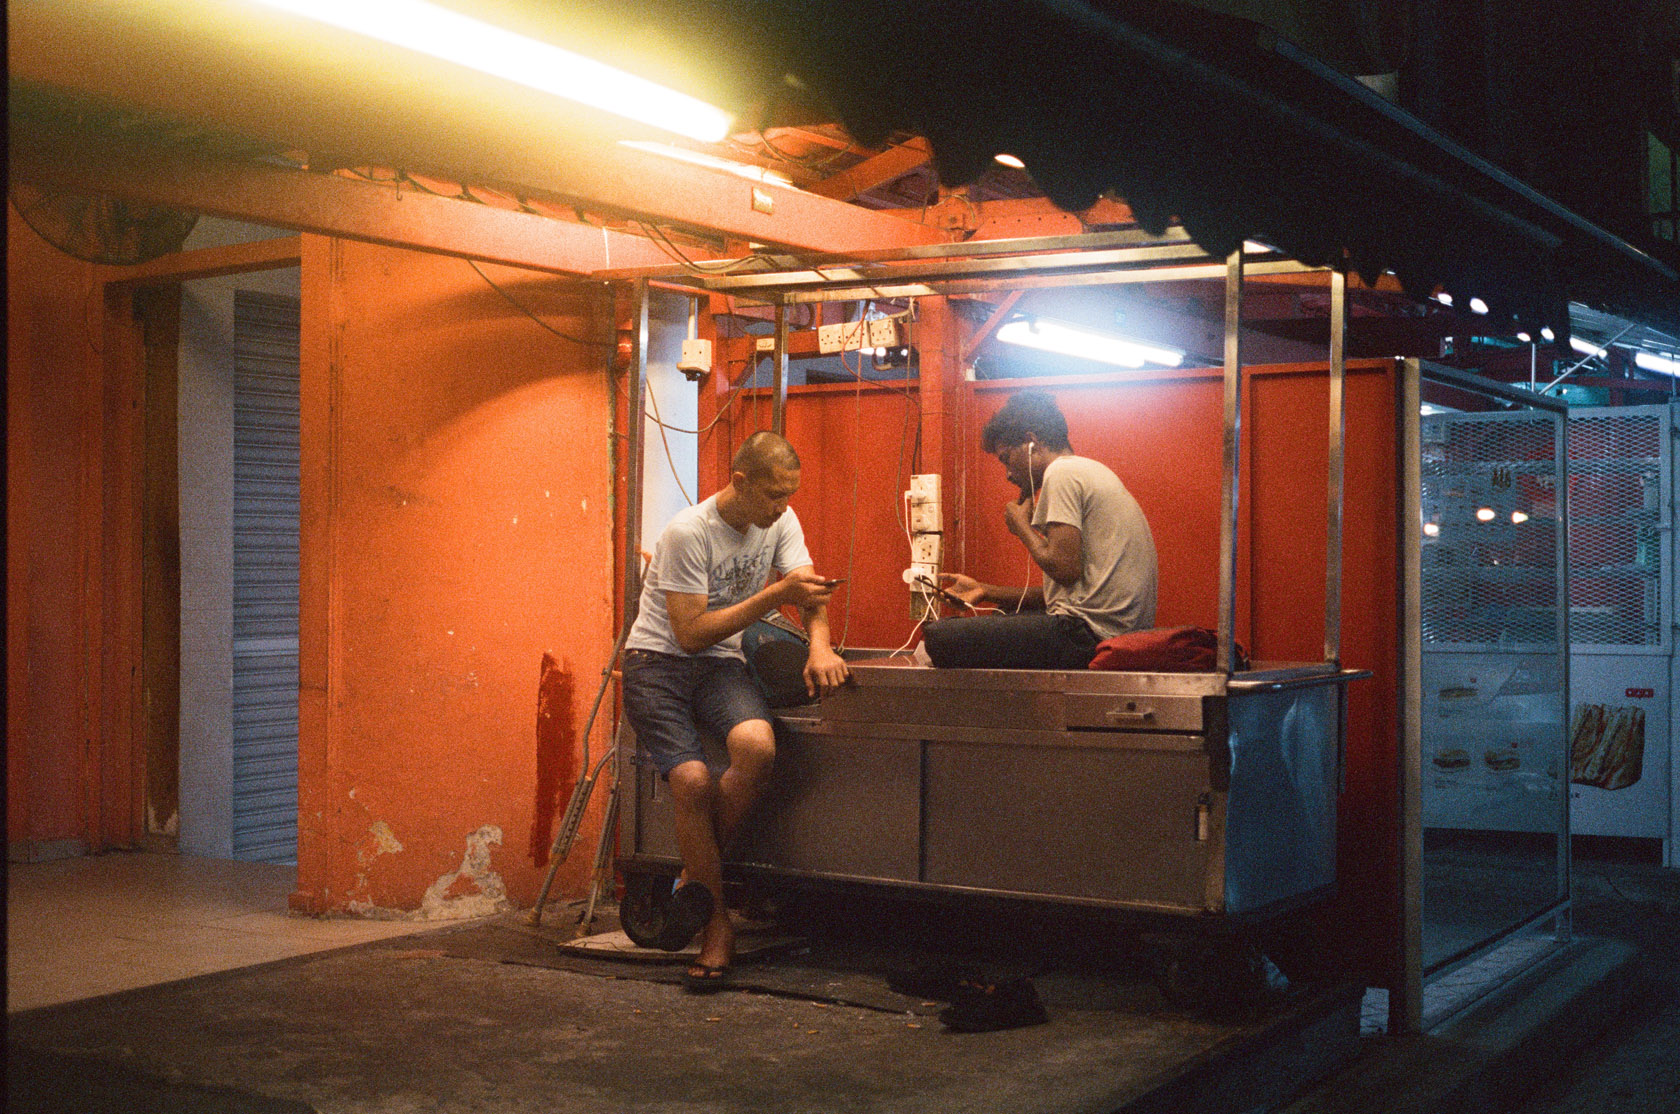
(703, 978)
(686, 914)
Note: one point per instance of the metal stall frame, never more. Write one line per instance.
(1101, 258)
(1406, 1005)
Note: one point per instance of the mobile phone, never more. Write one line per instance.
(953, 600)
(832, 583)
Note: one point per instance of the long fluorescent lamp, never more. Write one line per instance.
(1650, 361)
(1586, 347)
(453, 37)
(701, 158)
(1067, 340)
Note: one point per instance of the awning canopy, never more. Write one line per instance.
(1216, 123)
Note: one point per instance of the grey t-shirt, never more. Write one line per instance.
(701, 554)
(1116, 591)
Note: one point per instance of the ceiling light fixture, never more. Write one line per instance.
(1547, 335)
(1069, 340)
(1587, 348)
(441, 33)
(700, 158)
(1010, 160)
(1650, 361)
(1444, 298)
(1478, 306)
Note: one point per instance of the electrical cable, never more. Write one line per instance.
(1032, 487)
(522, 309)
(670, 460)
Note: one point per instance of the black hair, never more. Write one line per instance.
(762, 453)
(1026, 413)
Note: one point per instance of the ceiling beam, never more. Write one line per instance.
(247, 71)
(335, 206)
(202, 263)
(877, 170)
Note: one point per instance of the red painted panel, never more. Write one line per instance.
(857, 450)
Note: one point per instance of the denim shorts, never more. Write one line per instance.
(669, 700)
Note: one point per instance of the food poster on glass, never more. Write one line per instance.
(1620, 740)
(1492, 757)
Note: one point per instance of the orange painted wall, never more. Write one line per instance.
(457, 526)
(52, 439)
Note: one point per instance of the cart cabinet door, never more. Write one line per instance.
(839, 805)
(1133, 826)
(1280, 824)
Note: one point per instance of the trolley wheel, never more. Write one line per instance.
(1211, 976)
(642, 913)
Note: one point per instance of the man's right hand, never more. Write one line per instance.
(965, 588)
(805, 588)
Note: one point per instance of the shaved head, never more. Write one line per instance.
(762, 453)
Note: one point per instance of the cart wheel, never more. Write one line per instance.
(1212, 977)
(647, 899)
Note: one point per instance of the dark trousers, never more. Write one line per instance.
(1030, 640)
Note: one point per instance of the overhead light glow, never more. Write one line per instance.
(1444, 298)
(1486, 514)
(1478, 306)
(701, 158)
(1067, 340)
(1547, 335)
(441, 33)
(1010, 160)
(1525, 338)
(1431, 529)
(1650, 361)
(1518, 517)
(1586, 347)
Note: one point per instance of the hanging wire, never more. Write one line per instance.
(522, 309)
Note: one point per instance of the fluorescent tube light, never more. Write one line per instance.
(1444, 298)
(701, 158)
(1650, 361)
(1010, 160)
(1067, 340)
(1586, 347)
(441, 33)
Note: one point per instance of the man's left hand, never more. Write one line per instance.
(824, 672)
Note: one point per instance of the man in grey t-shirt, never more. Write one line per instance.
(716, 569)
(1081, 527)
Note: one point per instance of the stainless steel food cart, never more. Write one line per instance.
(1179, 793)
(1204, 795)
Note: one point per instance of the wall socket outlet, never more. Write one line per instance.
(884, 332)
(925, 519)
(925, 549)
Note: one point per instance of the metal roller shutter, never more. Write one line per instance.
(265, 577)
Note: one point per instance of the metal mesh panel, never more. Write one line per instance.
(1491, 566)
(1616, 528)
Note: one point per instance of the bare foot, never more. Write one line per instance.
(717, 941)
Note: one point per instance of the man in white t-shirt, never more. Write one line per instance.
(1081, 527)
(717, 568)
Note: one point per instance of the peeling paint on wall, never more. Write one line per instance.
(472, 891)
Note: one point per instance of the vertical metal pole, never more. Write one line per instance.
(1564, 923)
(1227, 657)
(1405, 1001)
(635, 446)
(778, 383)
(1338, 434)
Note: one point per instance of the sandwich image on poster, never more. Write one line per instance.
(1607, 746)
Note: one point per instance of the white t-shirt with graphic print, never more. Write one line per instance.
(698, 552)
